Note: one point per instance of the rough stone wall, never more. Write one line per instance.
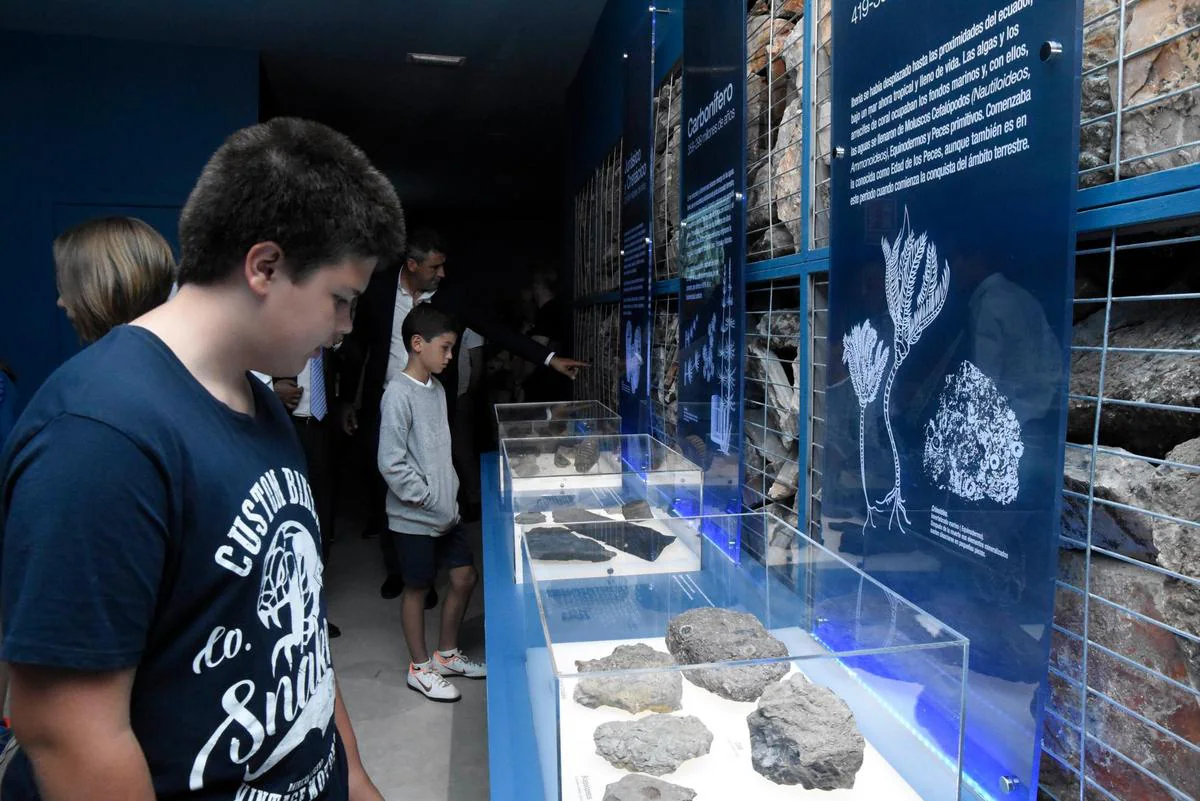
(1146, 485)
(1159, 129)
(774, 127)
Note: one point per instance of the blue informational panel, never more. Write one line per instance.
(637, 249)
(712, 252)
(949, 329)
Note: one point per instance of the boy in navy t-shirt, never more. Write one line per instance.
(161, 584)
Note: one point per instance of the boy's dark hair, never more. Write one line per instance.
(422, 243)
(294, 182)
(426, 322)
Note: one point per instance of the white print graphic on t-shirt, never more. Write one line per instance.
(264, 728)
(307, 789)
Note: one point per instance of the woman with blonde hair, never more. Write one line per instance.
(110, 271)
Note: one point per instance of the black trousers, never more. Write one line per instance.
(316, 438)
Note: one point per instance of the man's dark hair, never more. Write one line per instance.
(423, 243)
(294, 182)
(426, 322)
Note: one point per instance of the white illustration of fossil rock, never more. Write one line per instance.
(973, 444)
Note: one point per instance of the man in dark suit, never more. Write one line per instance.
(307, 398)
(374, 351)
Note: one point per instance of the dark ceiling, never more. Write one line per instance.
(487, 134)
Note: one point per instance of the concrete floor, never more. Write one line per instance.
(413, 748)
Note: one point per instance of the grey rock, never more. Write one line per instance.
(1161, 71)
(642, 542)
(646, 788)
(782, 394)
(1154, 597)
(775, 241)
(530, 518)
(586, 455)
(562, 545)
(788, 175)
(803, 733)
(637, 510)
(657, 744)
(780, 325)
(710, 635)
(765, 40)
(759, 214)
(664, 367)
(1177, 493)
(656, 692)
(1123, 479)
(563, 456)
(524, 466)
(1144, 377)
(573, 514)
(757, 123)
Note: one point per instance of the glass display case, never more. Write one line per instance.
(780, 671)
(559, 419)
(625, 484)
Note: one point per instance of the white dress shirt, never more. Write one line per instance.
(397, 352)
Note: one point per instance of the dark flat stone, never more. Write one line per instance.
(573, 514)
(637, 510)
(644, 543)
(562, 545)
(640, 541)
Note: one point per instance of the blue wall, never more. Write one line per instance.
(596, 96)
(91, 127)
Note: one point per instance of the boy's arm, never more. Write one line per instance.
(83, 556)
(395, 464)
(361, 786)
(74, 727)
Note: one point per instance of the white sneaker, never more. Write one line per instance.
(458, 665)
(431, 685)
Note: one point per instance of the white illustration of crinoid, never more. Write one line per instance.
(905, 259)
(867, 358)
(290, 591)
(721, 404)
(973, 444)
(633, 355)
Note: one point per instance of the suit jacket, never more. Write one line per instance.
(365, 350)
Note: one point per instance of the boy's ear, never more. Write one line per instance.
(261, 266)
(416, 343)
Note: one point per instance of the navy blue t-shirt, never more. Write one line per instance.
(146, 524)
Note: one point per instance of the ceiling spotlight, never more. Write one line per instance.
(436, 60)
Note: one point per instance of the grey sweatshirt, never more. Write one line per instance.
(414, 458)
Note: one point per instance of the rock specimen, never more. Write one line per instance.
(530, 518)
(640, 541)
(1138, 375)
(702, 636)
(561, 545)
(573, 514)
(562, 456)
(524, 466)
(586, 456)
(803, 733)
(657, 692)
(637, 510)
(644, 543)
(657, 744)
(646, 788)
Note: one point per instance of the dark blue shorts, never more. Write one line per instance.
(422, 556)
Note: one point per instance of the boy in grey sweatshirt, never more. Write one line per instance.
(422, 505)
